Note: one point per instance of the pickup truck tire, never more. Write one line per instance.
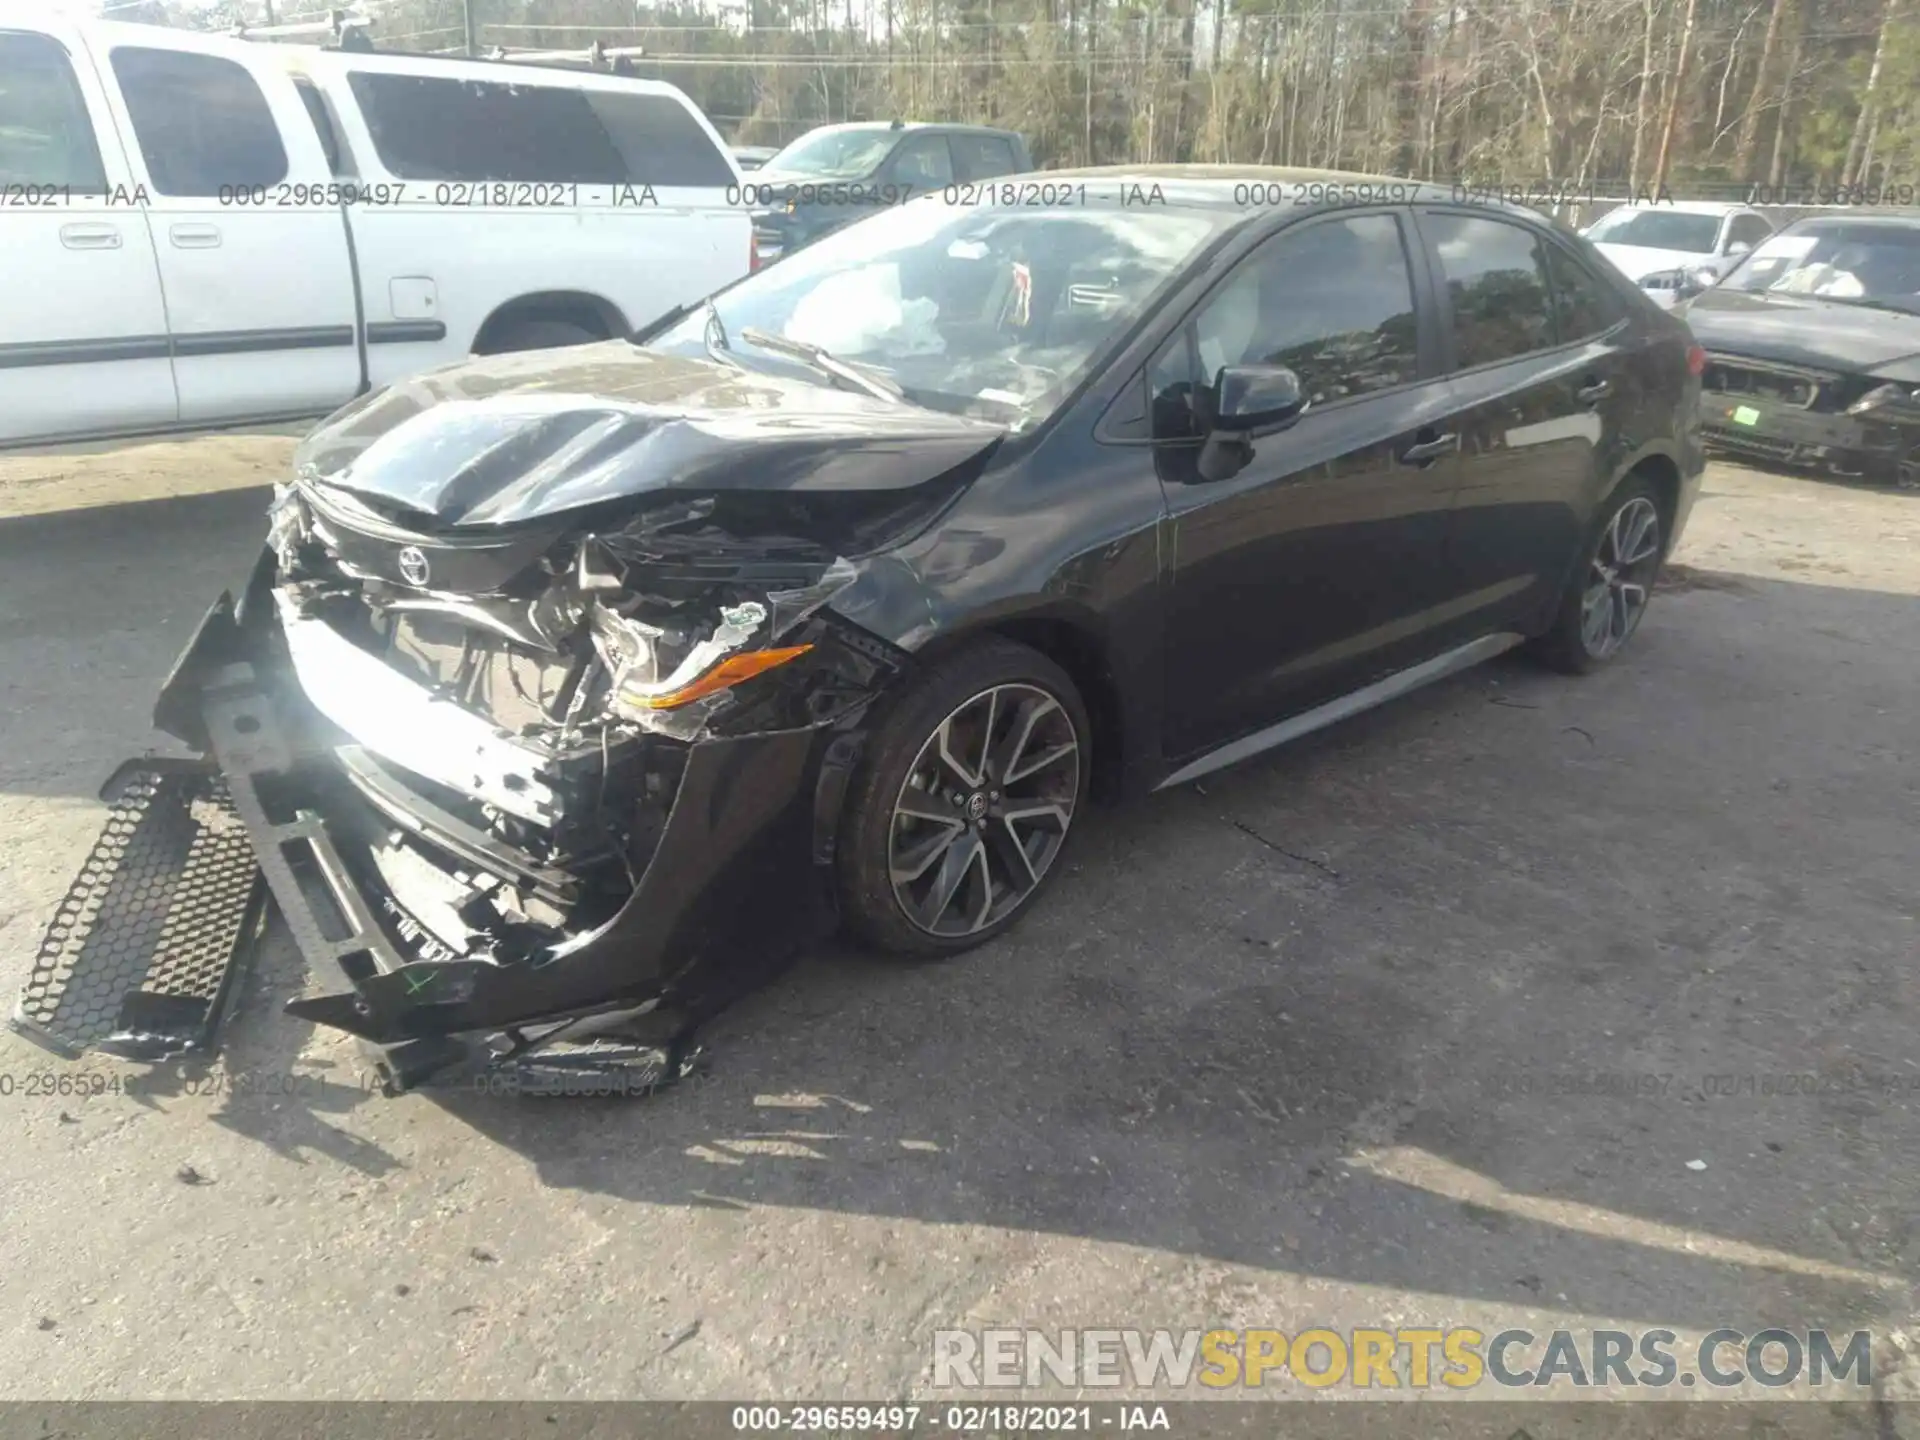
(542, 335)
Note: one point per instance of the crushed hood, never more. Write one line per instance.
(513, 438)
(1802, 330)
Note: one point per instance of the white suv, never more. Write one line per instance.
(202, 231)
(1671, 248)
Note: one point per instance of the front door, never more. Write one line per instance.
(83, 330)
(1317, 567)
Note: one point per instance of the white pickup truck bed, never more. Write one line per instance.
(201, 231)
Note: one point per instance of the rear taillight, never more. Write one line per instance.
(1696, 360)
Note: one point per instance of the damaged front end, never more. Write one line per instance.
(546, 794)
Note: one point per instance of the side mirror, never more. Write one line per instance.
(1248, 401)
(1737, 248)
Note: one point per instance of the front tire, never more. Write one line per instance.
(964, 802)
(1606, 598)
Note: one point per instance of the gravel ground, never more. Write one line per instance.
(1301, 1046)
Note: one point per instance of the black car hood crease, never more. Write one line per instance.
(1803, 330)
(514, 438)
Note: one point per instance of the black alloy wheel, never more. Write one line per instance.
(965, 803)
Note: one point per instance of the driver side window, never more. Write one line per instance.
(1331, 300)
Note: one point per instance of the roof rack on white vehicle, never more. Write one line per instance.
(339, 26)
(595, 55)
(348, 31)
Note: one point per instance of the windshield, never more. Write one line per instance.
(1657, 230)
(1867, 264)
(975, 311)
(835, 154)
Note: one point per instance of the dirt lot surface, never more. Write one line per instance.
(1312, 1043)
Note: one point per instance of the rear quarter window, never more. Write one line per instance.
(436, 128)
(660, 140)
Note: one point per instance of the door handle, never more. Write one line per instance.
(1425, 452)
(195, 237)
(1594, 393)
(90, 237)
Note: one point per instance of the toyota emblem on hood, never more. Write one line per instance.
(413, 567)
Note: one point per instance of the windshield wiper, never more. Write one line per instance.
(715, 338)
(826, 364)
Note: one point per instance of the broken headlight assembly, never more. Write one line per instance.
(1882, 397)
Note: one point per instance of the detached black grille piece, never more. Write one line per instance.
(1732, 375)
(141, 956)
(1746, 443)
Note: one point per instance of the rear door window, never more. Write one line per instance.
(1496, 278)
(46, 135)
(981, 157)
(202, 125)
(922, 161)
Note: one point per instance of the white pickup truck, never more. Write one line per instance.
(201, 231)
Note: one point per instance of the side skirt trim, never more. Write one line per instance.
(1402, 682)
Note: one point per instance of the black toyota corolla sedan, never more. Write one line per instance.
(575, 689)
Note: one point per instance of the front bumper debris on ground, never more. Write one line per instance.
(343, 814)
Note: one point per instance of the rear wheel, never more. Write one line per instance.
(963, 806)
(1607, 597)
(541, 335)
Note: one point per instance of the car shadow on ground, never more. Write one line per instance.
(1594, 996)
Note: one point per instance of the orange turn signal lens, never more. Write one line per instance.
(726, 674)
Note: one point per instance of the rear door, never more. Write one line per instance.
(1317, 568)
(83, 329)
(981, 157)
(253, 259)
(1542, 397)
